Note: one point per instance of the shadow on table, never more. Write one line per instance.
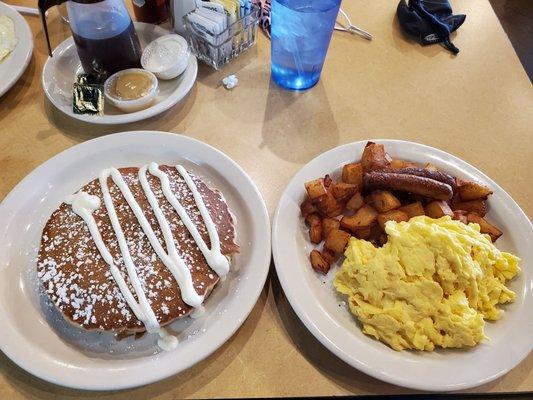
(298, 125)
(184, 384)
(81, 131)
(13, 98)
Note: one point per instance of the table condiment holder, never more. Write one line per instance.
(219, 49)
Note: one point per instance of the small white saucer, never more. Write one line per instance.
(60, 71)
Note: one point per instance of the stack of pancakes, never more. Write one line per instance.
(78, 280)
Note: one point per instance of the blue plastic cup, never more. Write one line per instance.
(301, 32)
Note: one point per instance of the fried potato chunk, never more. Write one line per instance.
(476, 206)
(473, 191)
(337, 241)
(375, 157)
(485, 226)
(413, 209)
(353, 173)
(328, 206)
(363, 218)
(437, 209)
(392, 215)
(460, 215)
(355, 202)
(328, 225)
(307, 208)
(383, 201)
(343, 190)
(318, 262)
(315, 188)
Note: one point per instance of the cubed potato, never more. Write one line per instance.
(476, 206)
(485, 227)
(363, 218)
(315, 228)
(460, 215)
(437, 209)
(329, 256)
(315, 234)
(353, 173)
(413, 210)
(375, 157)
(315, 188)
(318, 262)
(307, 207)
(342, 190)
(473, 191)
(393, 215)
(329, 224)
(337, 241)
(363, 233)
(397, 163)
(313, 219)
(329, 206)
(383, 201)
(401, 164)
(430, 167)
(355, 202)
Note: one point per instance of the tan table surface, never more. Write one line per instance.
(478, 106)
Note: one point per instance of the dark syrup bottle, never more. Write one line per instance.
(106, 55)
(104, 34)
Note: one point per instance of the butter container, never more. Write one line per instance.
(166, 57)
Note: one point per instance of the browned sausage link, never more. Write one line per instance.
(426, 173)
(408, 183)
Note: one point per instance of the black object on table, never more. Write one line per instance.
(430, 21)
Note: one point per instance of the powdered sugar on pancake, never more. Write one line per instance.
(78, 280)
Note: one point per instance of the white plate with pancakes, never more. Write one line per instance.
(16, 46)
(45, 345)
(328, 317)
(60, 72)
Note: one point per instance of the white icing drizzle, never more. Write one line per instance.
(150, 320)
(166, 341)
(172, 260)
(84, 205)
(214, 257)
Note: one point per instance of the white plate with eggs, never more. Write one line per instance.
(16, 47)
(328, 318)
(61, 70)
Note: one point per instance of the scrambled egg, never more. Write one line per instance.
(432, 284)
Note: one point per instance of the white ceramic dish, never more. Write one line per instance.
(14, 65)
(60, 71)
(42, 344)
(176, 63)
(135, 104)
(328, 318)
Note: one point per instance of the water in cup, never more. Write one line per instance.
(301, 31)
